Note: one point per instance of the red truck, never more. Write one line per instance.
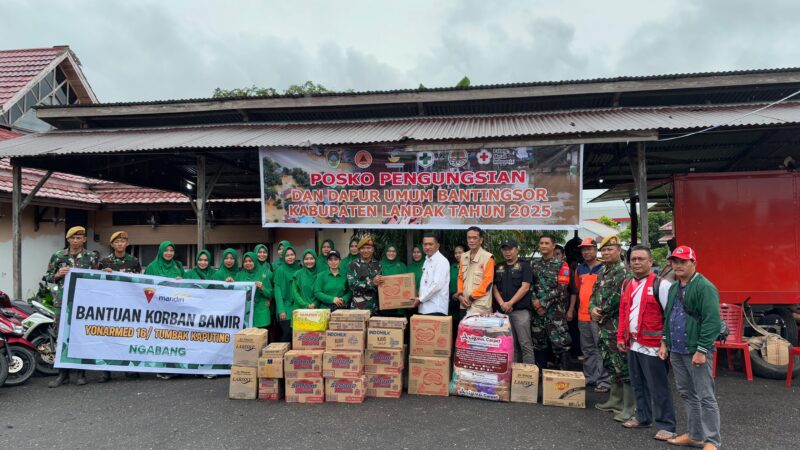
(745, 227)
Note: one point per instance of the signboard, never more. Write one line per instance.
(141, 323)
(394, 187)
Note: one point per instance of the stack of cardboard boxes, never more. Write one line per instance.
(270, 371)
(343, 359)
(247, 346)
(384, 358)
(302, 365)
(429, 363)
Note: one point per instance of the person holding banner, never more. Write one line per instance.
(322, 259)
(119, 260)
(352, 255)
(330, 288)
(229, 268)
(304, 280)
(364, 276)
(391, 265)
(202, 267)
(283, 291)
(165, 264)
(75, 255)
(263, 297)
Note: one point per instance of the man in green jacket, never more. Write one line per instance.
(691, 325)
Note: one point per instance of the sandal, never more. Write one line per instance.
(685, 441)
(664, 435)
(633, 423)
(602, 389)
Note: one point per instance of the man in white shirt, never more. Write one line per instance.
(434, 287)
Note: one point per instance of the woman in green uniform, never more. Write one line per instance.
(282, 245)
(262, 257)
(417, 261)
(165, 265)
(263, 264)
(283, 289)
(263, 297)
(322, 259)
(303, 282)
(391, 265)
(331, 289)
(353, 255)
(229, 268)
(202, 267)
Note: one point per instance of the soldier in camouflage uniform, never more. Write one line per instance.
(75, 255)
(119, 260)
(364, 277)
(604, 309)
(550, 301)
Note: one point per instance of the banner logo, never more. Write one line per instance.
(149, 293)
(334, 157)
(425, 159)
(363, 159)
(484, 157)
(458, 158)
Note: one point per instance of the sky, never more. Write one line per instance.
(155, 50)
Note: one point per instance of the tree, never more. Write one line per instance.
(307, 88)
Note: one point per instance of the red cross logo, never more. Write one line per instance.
(484, 157)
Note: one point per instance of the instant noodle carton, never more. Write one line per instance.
(524, 383)
(342, 364)
(308, 340)
(394, 323)
(270, 365)
(311, 319)
(247, 346)
(345, 340)
(563, 388)
(243, 383)
(397, 291)
(383, 361)
(349, 319)
(345, 390)
(431, 335)
(270, 389)
(428, 375)
(303, 364)
(384, 385)
(305, 390)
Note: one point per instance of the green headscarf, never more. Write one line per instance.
(322, 260)
(284, 275)
(286, 244)
(415, 267)
(261, 265)
(392, 266)
(261, 316)
(201, 274)
(303, 282)
(345, 266)
(163, 268)
(223, 273)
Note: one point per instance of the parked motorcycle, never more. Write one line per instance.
(16, 351)
(37, 320)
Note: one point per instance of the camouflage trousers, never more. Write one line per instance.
(614, 361)
(552, 327)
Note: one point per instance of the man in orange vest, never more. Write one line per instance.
(475, 276)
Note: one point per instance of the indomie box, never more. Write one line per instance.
(305, 390)
(384, 385)
(247, 345)
(428, 375)
(342, 364)
(308, 340)
(385, 338)
(383, 361)
(243, 383)
(431, 335)
(270, 389)
(524, 383)
(303, 364)
(270, 365)
(397, 291)
(345, 340)
(345, 390)
(562, 388)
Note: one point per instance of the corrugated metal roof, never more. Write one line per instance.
(398, 130)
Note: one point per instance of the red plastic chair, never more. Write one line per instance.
(734, 318)
(795, 351)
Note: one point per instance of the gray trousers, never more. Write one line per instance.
(593, 368)
(696, 388)
(521, 329)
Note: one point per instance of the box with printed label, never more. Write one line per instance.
(345, 340)
(384, 385)
(345, 390)
(482, 385)
(388, 322)
(383, 361)
(348, 326)
(243, 383)
(311, 319)
(397, 291)
(350, 315)
(305, 390)
(308, 340)
(270, 365)
(431, 335)
(385, 338)
(562, 388)
(524, 383)
(428, 375)
(342, 364)
(270, 389)
(302, 364)
(247, 345)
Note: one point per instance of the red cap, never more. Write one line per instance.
(684, 252)
(588, 242)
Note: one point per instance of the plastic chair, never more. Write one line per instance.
(734, 318)
(795, 351)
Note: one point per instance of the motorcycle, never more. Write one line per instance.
(15, 350)
(37, 320)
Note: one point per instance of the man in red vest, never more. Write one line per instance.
(641, 327)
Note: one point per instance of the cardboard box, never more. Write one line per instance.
(308, 340)
(384, 385)
(385, 338)
(388, 322)
(302, 364)
(270, 389)
(377, 361)
(431, 335)
(397, 291)
(776, 351)
(311, 319)
(562, 388)
(346, 390)
(270, 365)
(247, 346)
(524, 383)
(348, 326)
(305, 390)
(243, 383)
(345, 340)
(428, 375)
(350, 315)
(342, 364)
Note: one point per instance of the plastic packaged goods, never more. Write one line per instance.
(311, 319)
(483, 358)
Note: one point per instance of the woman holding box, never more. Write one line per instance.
(303, 281)
(330, 288)
(283, 291)
(229, 268)
(263, 297)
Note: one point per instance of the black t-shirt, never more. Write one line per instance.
(508, 279)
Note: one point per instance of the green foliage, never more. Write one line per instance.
(301, 177)
(307, 88)
(464, 83)
(608, 221)
(271, 179)
(660, 256)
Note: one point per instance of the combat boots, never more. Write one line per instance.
(614, 402)
(81, 380)
(628, 404)
(105, 377)
(62, 378)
